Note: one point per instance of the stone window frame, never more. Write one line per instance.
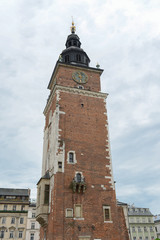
(20, 234)
(110, 219)
(13, 220)
(21, 220)
(33, 225)
(78, 218)
(69, 209)
(74, 157)
(3, 220)
(11, 234)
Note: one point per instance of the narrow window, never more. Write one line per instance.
(20, 234)
(39, 195)
(5, 207)
(13, 220)
(78, 211)
(14, 207)
(46, 194)
(32, 236)
(60, 166)
(106, 212)
(67, 58)
(11, 234)
(74, 43)
(69, 212)
(133, 229)
(78, 177)
(78, 58)
(33, 215)
(22, 208)
(32, 225)
(3, 220)
(71, 157)
(2, 234)
(21, 220)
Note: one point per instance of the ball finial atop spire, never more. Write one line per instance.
(73, 28)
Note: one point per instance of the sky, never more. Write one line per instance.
(124, 38)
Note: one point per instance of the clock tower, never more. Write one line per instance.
(76, 194)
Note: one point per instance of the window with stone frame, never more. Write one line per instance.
(145, 229)
(20, 235)
(32, 236)
(78, 211)
(11, 234)
(106, 213)
(13, 220)
(5, 207)
(69, 212)
(71, 157)
(3, 220)
(2, 234)
(32, 225)
(46, 194)
(14, 207)
(21, 220)
(33, 215)
(133, 229)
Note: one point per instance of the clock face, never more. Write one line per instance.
(80, 77)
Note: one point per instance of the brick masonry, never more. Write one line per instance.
(83, 128)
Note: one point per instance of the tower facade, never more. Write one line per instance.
(76, 194)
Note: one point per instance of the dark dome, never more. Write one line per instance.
(73, 53)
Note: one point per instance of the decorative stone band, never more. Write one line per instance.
(73, 91)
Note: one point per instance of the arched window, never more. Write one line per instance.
(78, 177)
(67, 58)
(78, 58)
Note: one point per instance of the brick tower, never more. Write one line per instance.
(76, 196)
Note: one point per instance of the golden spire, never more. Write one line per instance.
(73, 28)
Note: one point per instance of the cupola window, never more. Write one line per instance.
(78, 58)
(67, 58)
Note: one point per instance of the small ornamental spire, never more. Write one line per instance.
(73, 28)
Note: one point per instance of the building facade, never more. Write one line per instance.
(13, 213)
(157, 225)
(76, 194)
(33, 227)
(141, 224)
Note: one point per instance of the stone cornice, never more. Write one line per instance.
(73, 91)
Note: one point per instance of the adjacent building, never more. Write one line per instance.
(157, 225)
(76, 196)
(14, 205)
(32, 228)
(141, 224)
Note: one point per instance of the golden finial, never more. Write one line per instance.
(73, 28)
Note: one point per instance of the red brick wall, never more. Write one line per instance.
(83, 130)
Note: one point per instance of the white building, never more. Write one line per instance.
(142, 226)
(32, 230)
(157, 225)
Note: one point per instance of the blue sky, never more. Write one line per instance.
(124, 38)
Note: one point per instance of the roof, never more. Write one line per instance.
(14, 192)
(133, 211)
(121, 203)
